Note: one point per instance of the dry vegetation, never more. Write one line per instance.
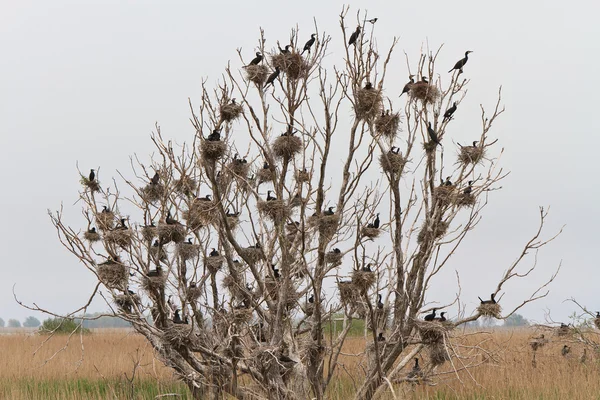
(110, 357)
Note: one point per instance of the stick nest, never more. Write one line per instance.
(241, 316)
(272, 287)
(438, 354)
(392, 163)
(149, 232)
(371, 233)
(179, 335)
(302, 176)
(252, 254)
(213, 150)
(333, 257)
(277, 210)
(328, 225)
(200, 213)
(438, 230)
(119, 237)
(490, 310)
(113, 275)
(185, 185)
(171, 233)
(152, 192)
(565, 330)
(388, 125)
(287, 146)
(368, 104)
(471, 155)
(125, 302)
(465, 200)
(105, 220)
(350, 297)
(194, 293)
(238, 169)
(292, 64)
(264, 175)
(445, 194)
(257, 74)
(92, 236)
(153, 283)
(363, 280)
(187, 251)
(214, 263)
(433, 331)
(424, 92)
(93, 186)
(231, 111)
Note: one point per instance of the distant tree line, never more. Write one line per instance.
(100, 322)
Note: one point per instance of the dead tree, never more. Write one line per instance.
(286, 209)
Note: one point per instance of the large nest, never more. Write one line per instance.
(370, 232)
(201, 212)
(179, 335)
(292, 296)
(433, 331)
(92, 236)
(445, 194)
(564, 330)
(438, 354)
(238, 168)
(113, 275)
(214, 263)
(538, 342)
(471, 155)
(252, 253)
(392, 163)
(194, 293)
(93, 186)
(296, 201)
(185, 185)
(149, 232)
(233, 287)
(334, 257)
(350, 297)
(257, 74)
(328, 225)
(490, 310)
(231, 111)
(368, 104)
(105, 220)
(187, 251)
(363, 280)
(241, 315)
(213, 150)
(292, 64)
(125, 302)
(277, 210)
(302, 176)
(465, 200)
(233, 221)
(425, 92)
(152, 192)
(437, 231)
(171, 233)
(388, 124)
(265, 175)
(119, 237)
(287, 146)
(156, 282)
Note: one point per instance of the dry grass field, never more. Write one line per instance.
(506, 372)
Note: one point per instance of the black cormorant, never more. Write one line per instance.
(155, 178)
(269, 197)
(376, 222)
(448, 182)
(205, 198)
(256, 60)
(424, 79)
(354, 36)
(338, 251)
(367, 268)
(214, 253)
(565, 350)
(492, 301)
(311, 299)
(380, 337)
(169, 219)
(309, 44)
(329, 211)
(432, 134)
(215, 136)
(449, 112)
(430, 317)
(272, 77)
(379, 302)
(92, 175)
(285, 50)
(154, 272)
(408, 85)
(416, 370)
(276, 273)
(469, 188)
(461, 63)
(441, 318)
(368, 86)
(373, 20)
(92, 230)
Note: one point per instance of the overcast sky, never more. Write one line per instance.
(85, 81)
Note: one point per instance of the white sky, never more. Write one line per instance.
(86, 81)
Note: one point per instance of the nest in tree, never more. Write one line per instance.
(465, 200)
(125, 302)
(302, 176)
(187, 251)
(152, 192)
(194, 293)
(296, 201)
(424, 92)
(185, 185)
(105, 220)
(445, 194)
(381, 316)
(277, 210)
(368, 104)
(436, 232)
(233, 221)
(370, 232)
(538, 342)
(113, 275)
(232, 286)
(119, 237)
(241, 315)
(287, 146)
(93, 186)
(490, 310)
(388, 124)
(238, 169)
(438, 354)
(597, 322)
(214, 263)
(149, 232)
(350, 297)
(363, 280)
(252, 254)
(328, 225)
(171, 233)
(333, 257)
(230, 111)
(433, 331)
(429, 146)
(153, 283)
(92, 236)
(201, 212)
(264, 175)
(213, 150)
(564, 330)
(158, 253)
(257, 74)
(292, 64)
(471, 155)
(392, 163)
(180, 335)
(309, 308)
(272, 287)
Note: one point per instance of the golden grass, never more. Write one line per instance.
(508, 374)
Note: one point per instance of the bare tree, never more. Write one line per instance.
(306, 193)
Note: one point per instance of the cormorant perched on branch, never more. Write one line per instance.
(492, 301)
(214, 253)
(276, 273)
(92, 175)
(311, 299)
(448, 182)
(272, 77)
(215, 136)
(469, 188)
(169, 219)
(354, 36)
(256, 60)
(329, 211)
(432, 134)
(309, 44)
(269, 197)
(461, 63)
(285, 50)
(368, 86)
(155, 178)
(376, 222)
(380, 337)
(408, 85)
(430, 317)
(379, 302)
(449, 112)
(373, 20)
